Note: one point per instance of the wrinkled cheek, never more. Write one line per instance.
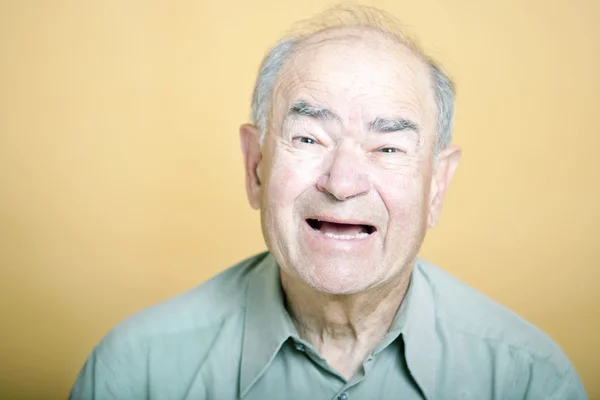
(287, 181)
(283, 185)
(290, 178)
(410, 198)
(407, 209)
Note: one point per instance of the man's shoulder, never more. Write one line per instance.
(201, 310)
(468, 313)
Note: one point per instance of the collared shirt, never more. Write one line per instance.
(232, 338)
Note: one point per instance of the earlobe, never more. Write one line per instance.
(249, 140)
(447, 163)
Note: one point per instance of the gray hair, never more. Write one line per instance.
(349, 17)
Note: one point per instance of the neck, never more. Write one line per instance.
(344, 328)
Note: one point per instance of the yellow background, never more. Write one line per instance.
(121, 178)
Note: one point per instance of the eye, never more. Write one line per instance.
(305, 140)
(390, 150)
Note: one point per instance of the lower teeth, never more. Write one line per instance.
(344, 237)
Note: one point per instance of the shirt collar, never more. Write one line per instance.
(415, 321)
(422, 349)
(267, 323)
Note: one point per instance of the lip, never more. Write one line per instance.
(340, 220)
(317, 238)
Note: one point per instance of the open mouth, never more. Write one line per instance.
(341, 231)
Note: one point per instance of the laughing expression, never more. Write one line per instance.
(346, 166)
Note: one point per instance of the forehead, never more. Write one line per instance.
(356, 72)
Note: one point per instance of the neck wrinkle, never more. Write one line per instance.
(324, 319)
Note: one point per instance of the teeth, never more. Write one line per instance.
(344, 237)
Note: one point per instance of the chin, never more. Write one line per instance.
(337, 279)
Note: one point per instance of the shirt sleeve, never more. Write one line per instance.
(546, 384)
(571, 388)
(116, 379)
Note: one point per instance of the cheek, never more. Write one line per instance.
(403, 195)
(290, 177)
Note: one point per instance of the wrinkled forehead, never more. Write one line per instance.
(356, 72)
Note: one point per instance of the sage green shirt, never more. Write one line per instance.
(231, 338)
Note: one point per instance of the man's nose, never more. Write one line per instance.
(345, 176)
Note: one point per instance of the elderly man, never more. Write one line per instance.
(348, 160)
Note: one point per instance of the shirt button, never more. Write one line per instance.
(300, 346)
(343, 396)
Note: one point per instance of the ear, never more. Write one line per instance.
(442, 175)
(249, 138)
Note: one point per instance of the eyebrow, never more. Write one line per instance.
(379, 124)
(301, 107)
(385, 125)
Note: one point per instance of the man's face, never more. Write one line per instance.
(346, 168)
